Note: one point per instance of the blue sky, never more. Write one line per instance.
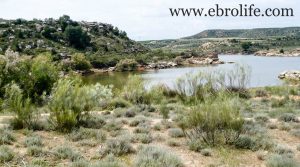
(149, 19)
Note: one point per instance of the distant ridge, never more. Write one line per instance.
(247, 33)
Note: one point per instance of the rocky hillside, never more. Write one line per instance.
(64, 36)
(248, 33)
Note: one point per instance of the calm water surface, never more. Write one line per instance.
(264, 71)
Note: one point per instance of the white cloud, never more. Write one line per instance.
(148, 19)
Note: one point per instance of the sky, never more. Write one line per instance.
(149, 19)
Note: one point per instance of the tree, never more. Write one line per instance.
(246, 46)
(80, 62)
(48, 31)
(281, 51)
(123, 35)
(77, 37)
(64, 21)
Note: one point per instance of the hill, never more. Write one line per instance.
(247, 33)
(64, 36)
(238, 41)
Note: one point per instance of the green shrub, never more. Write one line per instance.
(295, 132)
(6, 154)
(157, 94)
(94, 121)
(164, 110)
(117, 147)
(35, 151)
(173, 143)
(104, 61)
(156, 157)
(261, 118)
(134, 123)
(80, 163)
(137, 121)
(134, 91)
(84, 133)
(6, 137)
(288, 117)
(16, 103)
(141, 129)
(272, 126)
(257, 137)
(245, 142)
(127, 65)
(285, 127)
(118, 103)
(276, 160)
(214, 122)
(157, 127)
(195, 145)
(131, 112)
(109, 161)
(79, 62)
(39, 162)
(284, 150)
(77, 37)
(277, 102)
(65, 152)
(145, 108)
(33, 141)
(43, 74)
(124, 121)
(193, 88)
(88, 143)
(145, 138)
(119, 112)
(246, 46)
(70, 102)
(175, 132)
(206, 152)
(167, 124)
(261, 93)
(113, 125)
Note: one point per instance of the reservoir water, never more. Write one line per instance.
(264, 71)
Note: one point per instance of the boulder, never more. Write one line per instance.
(161, 65)
(290, 75)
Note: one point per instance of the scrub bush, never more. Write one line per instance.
(6, 137)
(214, 122)
(175, 132)
(79, 62)
(156, 157)
(22, 108)
(6, 154)
(71, 102)
(134, 91)
(127, 65)
(277, 160)
(117, 147)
